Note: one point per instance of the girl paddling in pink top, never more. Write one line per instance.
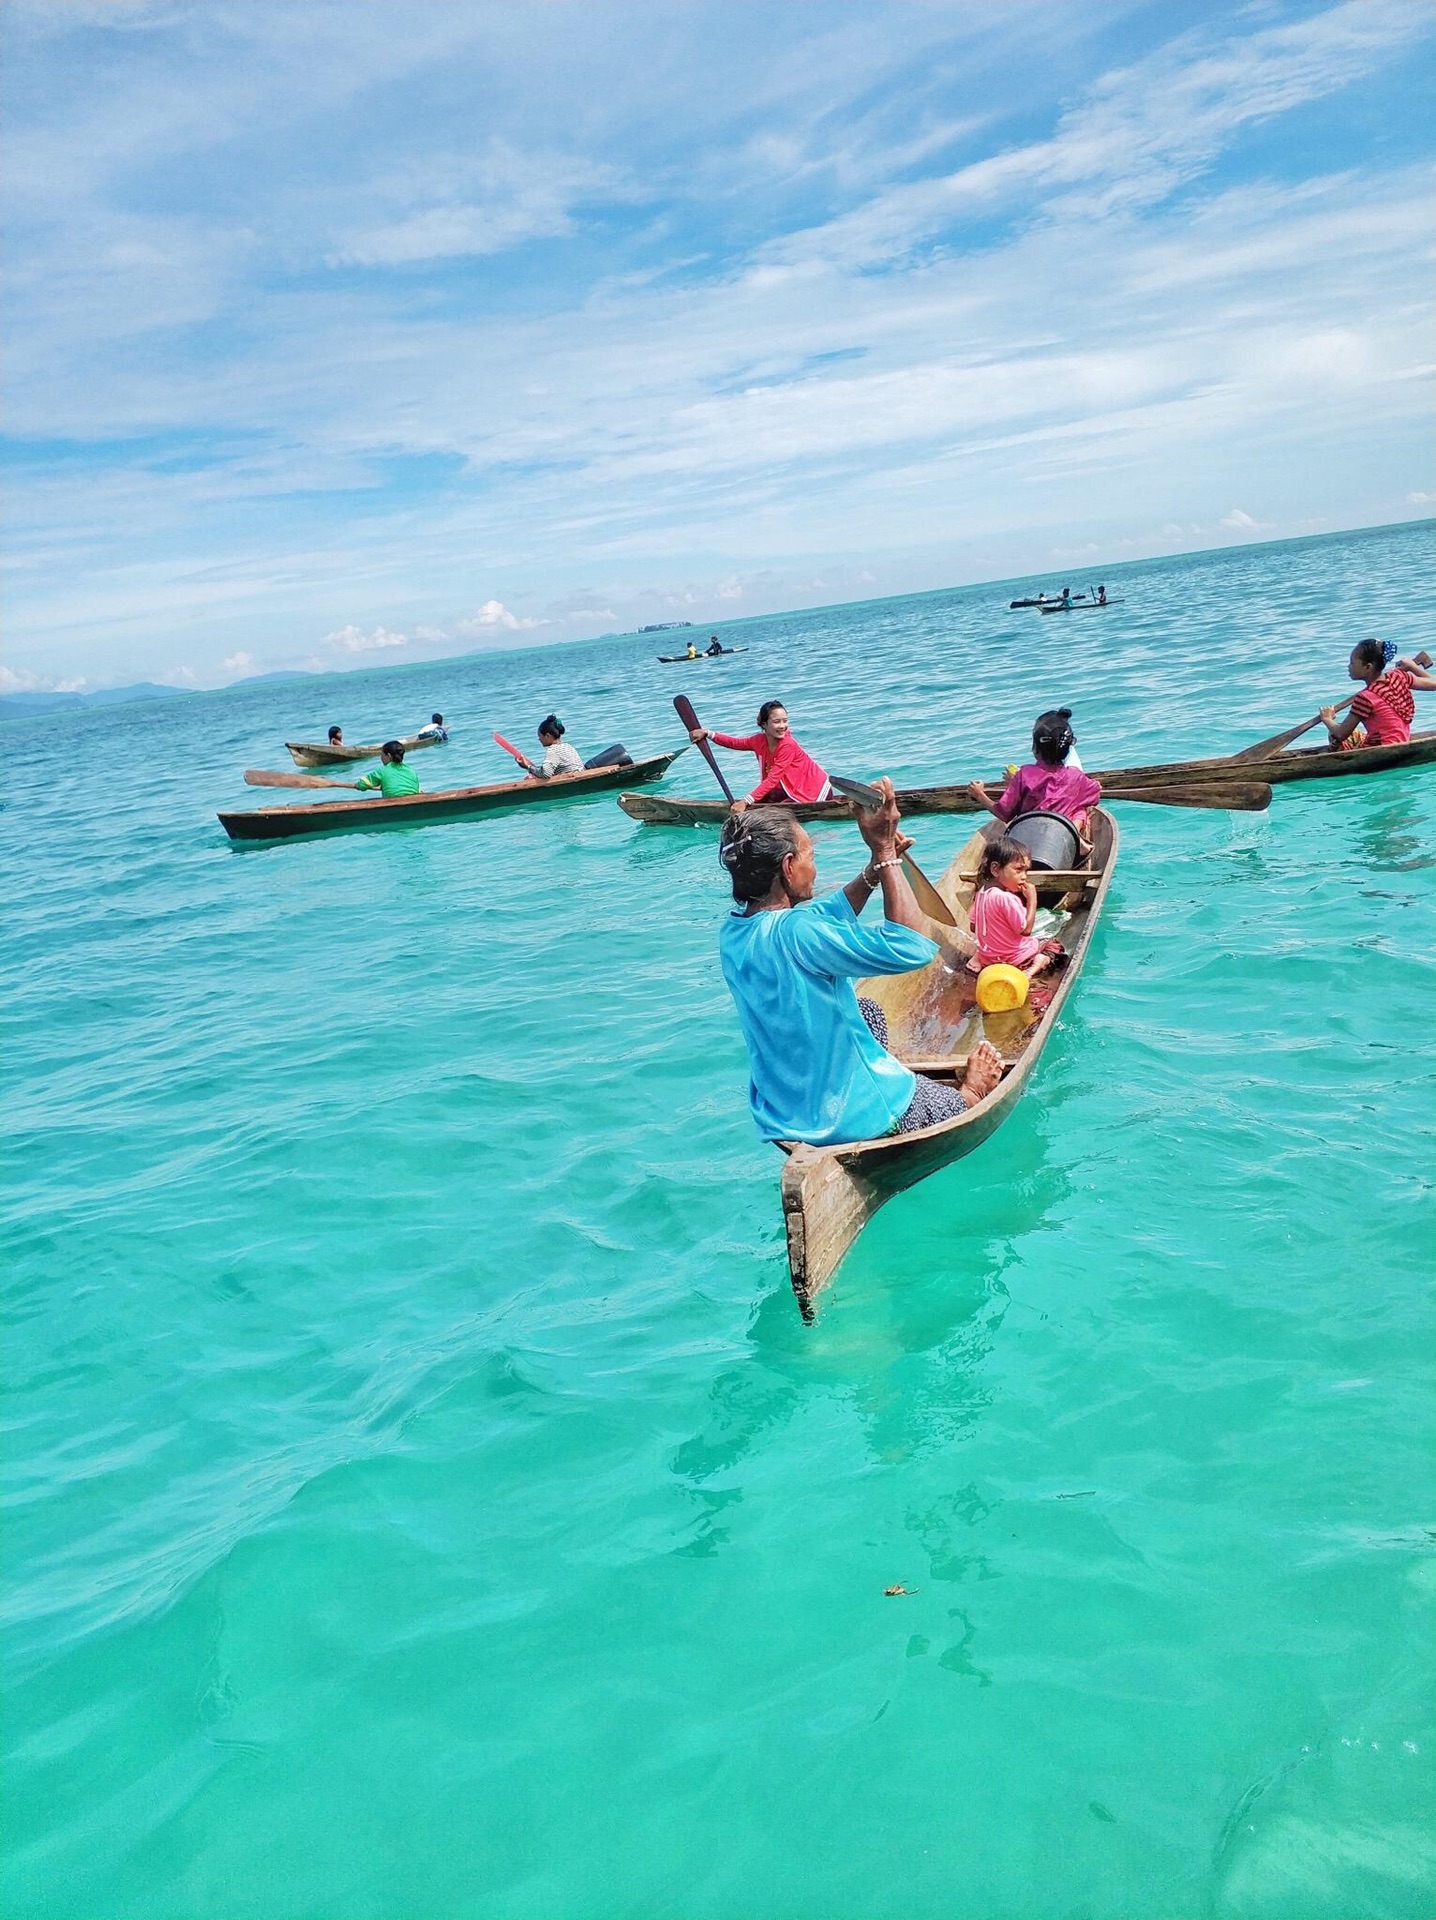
(1054, 783)
(785, 772)
(1004, 909)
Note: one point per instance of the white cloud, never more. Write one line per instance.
(239, 663)
(1239, 522)
(1421, 499)
(503, 200)
(1143, 132)
(494, 614)
(352, 639)
(12, 682)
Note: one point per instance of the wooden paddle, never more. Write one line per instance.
(923, 891)
(1264, 749)
(255, 777)
(1232, 796)
(683, 707)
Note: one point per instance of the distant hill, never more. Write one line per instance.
(285, 673)
(12, 705)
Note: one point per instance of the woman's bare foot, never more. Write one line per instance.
(984, 1070)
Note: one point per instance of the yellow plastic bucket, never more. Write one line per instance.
(1000, 988)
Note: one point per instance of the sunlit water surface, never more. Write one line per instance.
(424, 1500)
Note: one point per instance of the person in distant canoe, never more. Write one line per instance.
(1052, 783)
(391, 777)
(820, 1070)
(336, 736)
(692, 651)
(558, 756)
(1101, 596)
(785, 771)
(1380, 716)
(436, 730)
(714, 645)
(1067, 596)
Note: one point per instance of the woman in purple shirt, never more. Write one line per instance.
(1054, 784)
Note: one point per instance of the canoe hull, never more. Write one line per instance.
(423, 809)
(830, 1193)
(1306, 763)
(310, 753)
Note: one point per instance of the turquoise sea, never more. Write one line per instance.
(423, 1498)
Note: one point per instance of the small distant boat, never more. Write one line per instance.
(1076, 605)
(421, 809)
(316, 753)
(1036, 600)
(671, 659)
(666, 626)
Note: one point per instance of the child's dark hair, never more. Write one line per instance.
(753, 847)
(1000, 852)
(1052, 736)
(552, 724)
(768, 706)
(1377, 654)
(393, 750)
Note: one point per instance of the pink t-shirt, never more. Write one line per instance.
(789, 772)
(1386, 710)
(999, 925)
(1037, 789)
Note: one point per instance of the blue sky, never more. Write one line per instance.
(341, 334)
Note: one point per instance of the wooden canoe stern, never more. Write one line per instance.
(824, 1207)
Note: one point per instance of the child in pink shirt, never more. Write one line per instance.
(1004, 909)
(1054, 783)
(785, 771)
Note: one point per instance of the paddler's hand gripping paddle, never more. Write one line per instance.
(924, 892)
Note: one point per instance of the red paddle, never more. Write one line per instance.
(683, 707)
(509, 747)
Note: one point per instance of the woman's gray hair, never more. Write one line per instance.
(753, 848)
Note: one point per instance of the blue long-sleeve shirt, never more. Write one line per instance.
(818, 1074)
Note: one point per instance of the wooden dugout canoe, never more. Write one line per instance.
(315, 753)
(829, 1193)
(1303, 763)
(421, 809)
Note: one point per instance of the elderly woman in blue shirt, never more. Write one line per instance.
(820, 1069)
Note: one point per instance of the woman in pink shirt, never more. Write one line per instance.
(1054, 784)
(785, 772)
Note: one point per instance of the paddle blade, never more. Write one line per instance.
(1264, 749)
(1232, 796)
(858, 791)
(509, 747)
(926, 894)
(683, 707)
(256, 777)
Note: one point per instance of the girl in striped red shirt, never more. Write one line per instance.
(1380, 716)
